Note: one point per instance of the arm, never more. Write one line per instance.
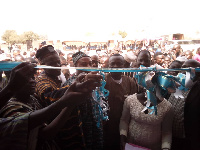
(53, 128)
(167, 129)
(124, 123)
(46, 92)
(72, 97)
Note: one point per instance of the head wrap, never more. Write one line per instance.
(182, 59)
(129, 57)
(78, 55)
(45, 51)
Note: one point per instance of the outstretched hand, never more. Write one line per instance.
(74, 97)
(88, 82)
(81, 88)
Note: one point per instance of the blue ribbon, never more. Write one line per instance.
(151, 97)
(161, 81)
(104, 91)
(99, 94)
(9, 65)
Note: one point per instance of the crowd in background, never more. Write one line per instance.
(164, 54)
(58, 111)
(170, 50)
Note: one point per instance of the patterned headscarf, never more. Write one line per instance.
(78, 55)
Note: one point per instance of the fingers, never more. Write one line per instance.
(27, 70)
(20, 65)
(72, 87)
(90, 76)
(96, 77)
(81, 77)
(89, 83)
(87, 86)
(86, 83)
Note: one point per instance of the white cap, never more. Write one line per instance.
(182, 59)
(129, 57)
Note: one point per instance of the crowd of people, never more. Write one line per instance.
(54, 109)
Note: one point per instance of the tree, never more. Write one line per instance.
(10, 36)
(30, 36)
(122, 33)
(21, 39)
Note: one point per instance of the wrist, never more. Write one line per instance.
(66, 102)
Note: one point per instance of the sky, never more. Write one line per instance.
(100, 19)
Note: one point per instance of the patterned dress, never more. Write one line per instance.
(150, 131)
